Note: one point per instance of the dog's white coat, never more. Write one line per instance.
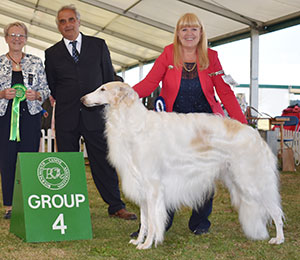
(166, 160)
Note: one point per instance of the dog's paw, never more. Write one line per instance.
(134, 242)
(276, 241)
(143, 246)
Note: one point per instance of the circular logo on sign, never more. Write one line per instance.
(53, 173)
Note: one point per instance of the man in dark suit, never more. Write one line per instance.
(73, 70)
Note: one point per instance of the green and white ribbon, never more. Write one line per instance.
(15, 112)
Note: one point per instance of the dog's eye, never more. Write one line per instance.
(102, 89)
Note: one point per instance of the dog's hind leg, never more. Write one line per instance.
(272, 202)
(277, 216)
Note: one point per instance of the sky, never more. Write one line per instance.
(279, 58)
(279, 64)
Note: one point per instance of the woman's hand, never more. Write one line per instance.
(8, 93)
(52, 101)
(32, 95)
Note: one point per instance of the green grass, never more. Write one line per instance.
(224, 241)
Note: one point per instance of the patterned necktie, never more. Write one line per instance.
(75, 53)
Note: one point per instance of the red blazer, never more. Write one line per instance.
(164, 70)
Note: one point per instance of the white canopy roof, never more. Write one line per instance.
(137, 30)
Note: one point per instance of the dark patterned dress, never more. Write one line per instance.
(190, 97)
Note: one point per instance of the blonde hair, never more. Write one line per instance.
(191, 20)
(17, 24)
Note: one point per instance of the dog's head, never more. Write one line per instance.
(112, 93)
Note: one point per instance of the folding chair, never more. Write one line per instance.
(289, 142)
(253, 115)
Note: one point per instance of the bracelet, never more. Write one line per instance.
(216, 73)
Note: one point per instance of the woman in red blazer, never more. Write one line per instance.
(191, 74)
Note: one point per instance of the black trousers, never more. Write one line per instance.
(30, 133)
(104, 175)
(199, 218)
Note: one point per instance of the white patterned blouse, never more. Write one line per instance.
(34, 77)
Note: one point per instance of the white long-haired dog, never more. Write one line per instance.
(166, 160)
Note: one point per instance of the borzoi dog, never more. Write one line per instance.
(166, 160)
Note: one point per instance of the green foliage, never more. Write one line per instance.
(111, 235)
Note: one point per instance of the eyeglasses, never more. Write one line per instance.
(17, 35)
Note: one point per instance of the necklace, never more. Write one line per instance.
(18, 67)
(189, 70)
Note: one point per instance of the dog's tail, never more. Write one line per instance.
(258, 209)
(254, 219)
(255, 194)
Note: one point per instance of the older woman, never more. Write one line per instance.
(191, 74)
(23, 89)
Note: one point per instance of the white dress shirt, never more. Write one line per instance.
(78, 45)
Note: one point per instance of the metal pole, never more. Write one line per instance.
(254, 62)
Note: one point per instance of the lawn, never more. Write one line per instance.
(110, 235)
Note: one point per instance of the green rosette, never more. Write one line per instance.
(15, 112)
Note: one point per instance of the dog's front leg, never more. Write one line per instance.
(156, 217)
(143, 227)
(148, 230)
(149, 216)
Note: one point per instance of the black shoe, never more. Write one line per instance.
(7, 214)
(200, 231)
(134, 234)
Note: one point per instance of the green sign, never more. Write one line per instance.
(50, 201)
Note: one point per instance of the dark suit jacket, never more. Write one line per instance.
(69, 81)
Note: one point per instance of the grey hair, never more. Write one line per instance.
(17, 24)
(68, 7)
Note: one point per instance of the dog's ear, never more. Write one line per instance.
(127, 95)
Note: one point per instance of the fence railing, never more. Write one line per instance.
(48, 143)
(294, 144)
